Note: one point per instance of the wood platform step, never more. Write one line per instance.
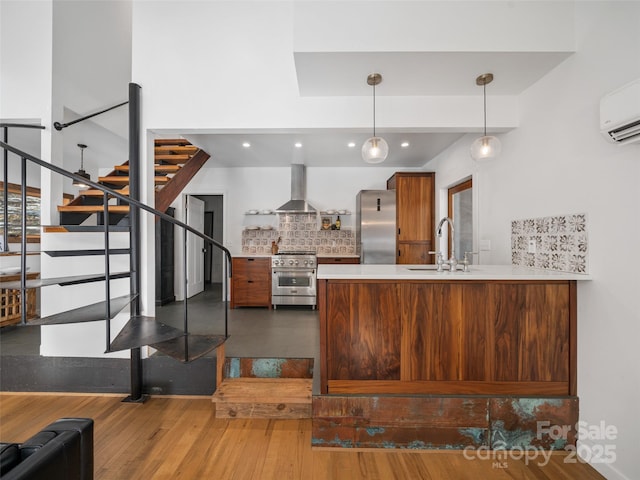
(93, 208)
(283, 398)
(177, 149)
(172, 141)
(99, 193)
(174, 159)
(124, 180)
(156, 168)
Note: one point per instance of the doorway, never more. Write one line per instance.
(213, 227)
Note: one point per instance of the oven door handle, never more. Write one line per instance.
(294, 270)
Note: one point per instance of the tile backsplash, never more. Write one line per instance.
(553, 243)
(300, 232)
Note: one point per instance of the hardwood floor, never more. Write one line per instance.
(179, 438)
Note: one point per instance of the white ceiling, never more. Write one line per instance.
(404, 74)
(319, 148)
(421, 73)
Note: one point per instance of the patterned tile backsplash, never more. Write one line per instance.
(554, 243)
(300, 232)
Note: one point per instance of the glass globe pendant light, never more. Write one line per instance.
(374, 149)
(485, 147)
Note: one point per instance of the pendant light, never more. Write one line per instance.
(81, 172)
(374, 149)
(485, 147)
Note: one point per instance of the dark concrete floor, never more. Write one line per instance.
(288, 332)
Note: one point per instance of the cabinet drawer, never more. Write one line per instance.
(251, 282)
(346, 260)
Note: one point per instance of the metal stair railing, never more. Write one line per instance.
(134, 204)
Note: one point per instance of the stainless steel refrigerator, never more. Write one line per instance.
(376, 226)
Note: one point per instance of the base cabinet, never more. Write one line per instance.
(251, 282)
(448, 337)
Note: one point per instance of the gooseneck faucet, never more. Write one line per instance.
(453, 261)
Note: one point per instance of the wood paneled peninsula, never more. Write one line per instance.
(407, 329)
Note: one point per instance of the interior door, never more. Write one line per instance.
(195, 247)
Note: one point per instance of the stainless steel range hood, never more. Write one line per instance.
(298, 202)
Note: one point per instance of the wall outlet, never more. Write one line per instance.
(532, 246)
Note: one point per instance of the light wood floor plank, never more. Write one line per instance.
(181, 439)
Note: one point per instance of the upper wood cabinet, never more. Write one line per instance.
(415, 212)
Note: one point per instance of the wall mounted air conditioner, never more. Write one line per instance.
(620, 114)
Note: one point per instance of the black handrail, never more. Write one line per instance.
(120, 196)
(107, 191)
(59, 126)
(5, 167)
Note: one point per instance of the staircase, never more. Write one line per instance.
(176, 162)
(276, 388)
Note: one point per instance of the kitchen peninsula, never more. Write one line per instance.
(410, 329)
(478, 348)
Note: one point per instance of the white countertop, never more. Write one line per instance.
(428, 272)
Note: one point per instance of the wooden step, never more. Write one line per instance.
(174, 159)
(156, 168)
(93, 208)
(188, 149)
(124, 180)
(99, 193)
(172, 141)
(282, 398)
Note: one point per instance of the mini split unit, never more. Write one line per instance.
(620, 114)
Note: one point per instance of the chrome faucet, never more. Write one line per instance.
(453, 261)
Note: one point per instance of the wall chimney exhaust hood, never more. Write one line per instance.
(298, 202)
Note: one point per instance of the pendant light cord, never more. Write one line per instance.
(484, 93)
(374, 109)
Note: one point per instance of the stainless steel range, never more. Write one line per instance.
(294, 278)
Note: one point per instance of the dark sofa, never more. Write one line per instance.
(61, 451)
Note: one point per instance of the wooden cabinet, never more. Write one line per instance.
(251, 282)
(415, 216)
(10, 301)
(448, 337)
(334, 260)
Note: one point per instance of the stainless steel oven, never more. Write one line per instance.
(294, 279)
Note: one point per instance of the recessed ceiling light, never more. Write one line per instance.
(246, 144)
(298, 145)
(351, 144)
(404, 144)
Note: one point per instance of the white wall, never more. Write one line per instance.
(267, 188)
(557, 162)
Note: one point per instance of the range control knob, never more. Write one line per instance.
(290, 262)
(296, 262)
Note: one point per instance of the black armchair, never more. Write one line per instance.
(61, 451)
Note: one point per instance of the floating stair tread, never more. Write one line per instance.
(264, 390)
(84, 228)
(141, 331)
(92, 208)
(124, 180)
(157, 168)
(85, 253)
(100, 193)
(174, 159)
(62, 281)
(190, 347)
(188, 149)
(88, 313)
(172, 141)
